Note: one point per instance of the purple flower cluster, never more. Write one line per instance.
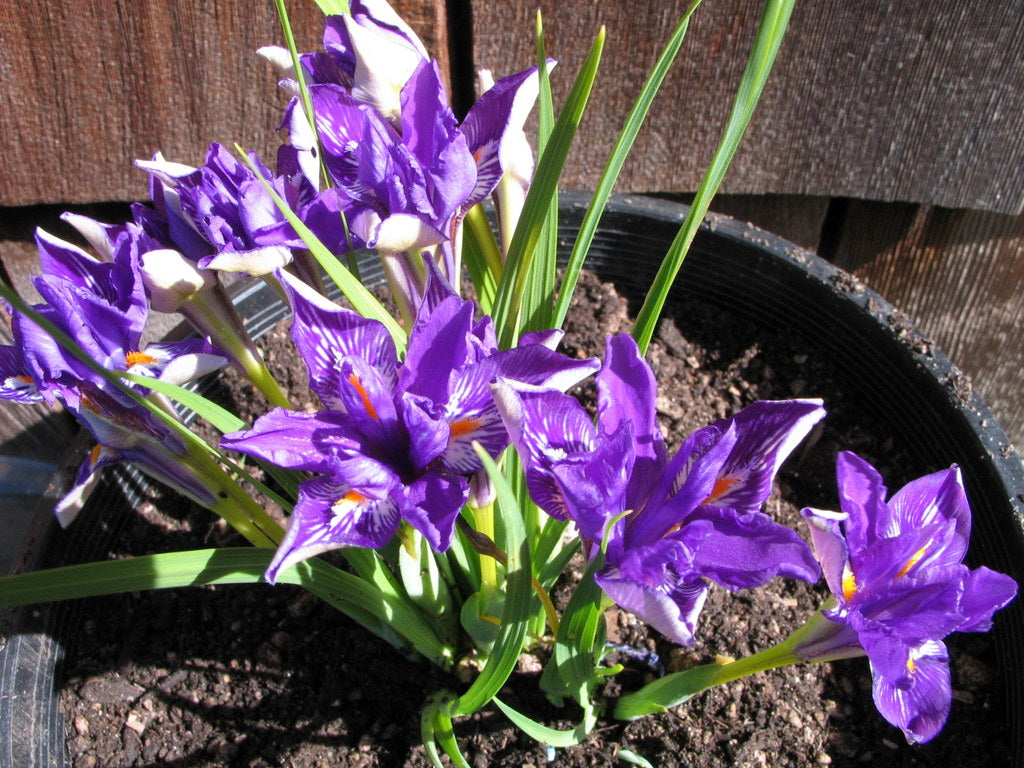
(382, 162)
(102, 306)
(394, 439)
(674, 522)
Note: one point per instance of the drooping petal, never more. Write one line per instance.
(16, 382)
(747, 549)
(86, 479)
(919, 702)
(432, 503)
(647, 583)
(295, 440)
(330, 515)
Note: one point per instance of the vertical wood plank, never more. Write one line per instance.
(960, 276)
(883, 100)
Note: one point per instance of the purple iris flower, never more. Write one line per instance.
(222, 216)
(690, 518)
(101, 305)
(403, 170)
(394, 439)
(895, 567)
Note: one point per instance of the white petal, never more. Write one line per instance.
(171, 279)
(261, 261)
(279, 57)
(186, 368)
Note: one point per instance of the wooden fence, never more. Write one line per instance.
(889, 139)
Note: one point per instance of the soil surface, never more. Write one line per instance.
(268, 676)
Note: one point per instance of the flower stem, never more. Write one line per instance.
(212, 314)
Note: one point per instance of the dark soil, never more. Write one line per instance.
(268, 676)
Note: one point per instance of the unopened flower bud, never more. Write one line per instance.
(171, 279)
(481, 490)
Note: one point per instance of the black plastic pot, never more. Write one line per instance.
(900, 377)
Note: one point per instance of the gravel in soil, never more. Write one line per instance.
(268, 676)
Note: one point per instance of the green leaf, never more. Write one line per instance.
(333, 7)
(221, 418)
(539, 290)
(774, 21)
(518, 597)
(619, 153)
(244, 565)
(509, 304)
(381, 612)
(482, 257)
(631, 757)
(667, 691)
(224, 421)
(579, 643)
(543, 733)
(444, 733)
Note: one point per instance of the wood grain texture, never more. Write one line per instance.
(796, 218)
(960, 276)
(86, 86)
(882, 100)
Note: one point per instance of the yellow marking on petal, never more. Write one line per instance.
(94, 454)
(24, 379)
(344, 505)
(722, 486)
(464, 427)
(348, 500)
(492, 619)
(914, 560)
(131, 359)
(849, 583)
(364, 395)
(911, 666)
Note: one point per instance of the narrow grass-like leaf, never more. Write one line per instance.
(482, 256)
(221, 418)
(333, 7)
(619, 153)
(631, 757)
(381, 613)
(517, 609)
(364, 302)
(507, 311)
(224, 421)
(771, 30)
(576, 651)
(111, 377)
(444, 733)
(538, 294)
(543, 733)
(666, 692)
(244, 565)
